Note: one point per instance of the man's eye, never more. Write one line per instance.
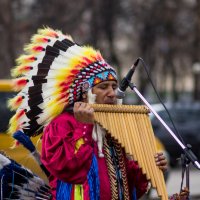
(102, 87)
(114, 87)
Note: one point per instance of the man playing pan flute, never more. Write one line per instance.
(84, 161)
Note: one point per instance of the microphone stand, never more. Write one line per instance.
(185, 163)
(188, 155)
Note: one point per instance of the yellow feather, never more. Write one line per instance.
(13, 125)
(18, 71)
(57, 91)
(12, 103)
(28, 48)
(24, 59)
(54, 107)
(90, 53)
(63, 75)
(45, 31)
(15, 72)
(38, 39)
(89, 50)
(48, 32)
(75, 63)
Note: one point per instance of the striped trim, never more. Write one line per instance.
(111, 171)
(116, 169)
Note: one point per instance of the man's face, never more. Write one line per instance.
(105, 92)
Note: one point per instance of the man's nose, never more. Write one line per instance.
(111, 92)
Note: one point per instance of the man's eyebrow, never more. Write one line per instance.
(107, 84)
(103, 84)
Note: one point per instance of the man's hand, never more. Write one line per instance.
(161, 161)
(83, 112)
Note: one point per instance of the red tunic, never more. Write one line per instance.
(63, 163)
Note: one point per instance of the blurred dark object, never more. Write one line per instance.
(184, 195)
(6, 92)
(186, 118)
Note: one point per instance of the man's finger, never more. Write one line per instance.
(161, 162)
(158, 154)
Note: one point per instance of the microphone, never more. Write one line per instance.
(126, 80)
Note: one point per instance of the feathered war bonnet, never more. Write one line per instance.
(52, 77)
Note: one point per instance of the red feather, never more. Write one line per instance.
(87, 60)
(38, 49)
(19, 100)
(20, 113)
(21, 82)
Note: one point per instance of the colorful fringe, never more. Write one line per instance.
(66, 191)
(93, 180)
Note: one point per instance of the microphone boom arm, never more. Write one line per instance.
(188, 152)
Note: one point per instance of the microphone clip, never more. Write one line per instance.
(126, 81)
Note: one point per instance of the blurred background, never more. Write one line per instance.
(165, 33)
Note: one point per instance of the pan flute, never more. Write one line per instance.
(131, 127)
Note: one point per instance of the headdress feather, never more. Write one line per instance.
(51, 75)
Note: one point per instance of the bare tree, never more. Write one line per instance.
(196, 49)
(7, 51)
(165, 33)
(164, 36)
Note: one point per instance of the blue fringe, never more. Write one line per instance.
(64, 189)
(93, 180)
(134, 195)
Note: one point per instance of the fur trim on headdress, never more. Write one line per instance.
(51, 78)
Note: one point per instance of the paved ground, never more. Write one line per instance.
(174, 183)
